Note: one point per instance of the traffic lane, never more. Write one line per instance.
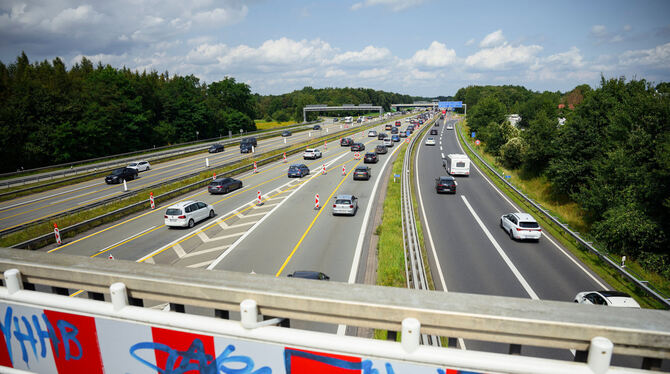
(28, 209)
(553, 273)
(469, 262)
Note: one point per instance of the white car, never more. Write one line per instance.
(609, 298)
(311, 153)
(388, 142)
(372, 134)
(140, 165)
(450, 127)
(521, 226)
(188, 213)
(430, 140)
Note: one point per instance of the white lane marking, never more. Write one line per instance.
(502, 253)
(179, 250)
(199, 265)
(442, 154)
(203, 236)
(259, 222)
(128, 238)
(441, 149)
(461, 341)
(495, 188)
(204, 251)
(88, 201)
(45, 197)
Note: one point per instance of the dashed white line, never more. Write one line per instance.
(128, 238)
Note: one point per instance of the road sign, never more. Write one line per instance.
(473, 134)
(450, 104)
(477, 142)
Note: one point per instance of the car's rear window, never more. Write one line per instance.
(215, 183)
(342, 201)
(529, 225)
(173, 212)
(460, 164)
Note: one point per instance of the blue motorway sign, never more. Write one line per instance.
(450, 104)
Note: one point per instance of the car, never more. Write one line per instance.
(388, 142)
(362, 172)
(608, 298)
(358, 147)
(450, 127)
(187, 213)
(394, 130)
(307, 274)
(370, 158)
(346, 142)
(403, 134)
(445, 184)
(316, 127)
(388, 126)
(395, 137)
(311, 153)
(521, 226)
(224, 185)
(433, 132)
(382, 136)
(430, 140)
(286, 133)
(298, 170)
(372, 134)
(250, 140)
(336, 119)
(381, 149)
(410, 128)
(216, 148)
(437, 123)
(121, 174)
(398, 123)
(246, 147)
(345, 204)
(140, 165)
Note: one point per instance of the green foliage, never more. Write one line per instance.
(496, 134)
(539, 137)
(488, 110)
(512, 153)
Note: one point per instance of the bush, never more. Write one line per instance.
(512, 153)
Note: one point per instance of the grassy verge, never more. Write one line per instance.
(536, 190)
(71, 219)
(262, 125)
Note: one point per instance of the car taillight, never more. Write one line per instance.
(540, 230)
(351, 206)
(181, 217)
(334, 205)
(518, 229)
(165, 217)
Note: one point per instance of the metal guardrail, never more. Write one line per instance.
(414, 267)
(48, 238)
(642, 284)
(551, 324)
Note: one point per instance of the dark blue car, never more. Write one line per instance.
(298, 171)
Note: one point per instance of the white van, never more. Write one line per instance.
(348, 119)
(457, 164)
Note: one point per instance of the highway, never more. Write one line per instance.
(26, 209)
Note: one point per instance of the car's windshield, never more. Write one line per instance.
(117, 172)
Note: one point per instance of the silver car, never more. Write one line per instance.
(345, 204)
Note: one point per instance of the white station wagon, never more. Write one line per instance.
(187, 213)
(140, 165)
(521, 226)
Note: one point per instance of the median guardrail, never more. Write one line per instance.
(642, 284)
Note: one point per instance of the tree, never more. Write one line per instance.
(495, 135)
(539, 138)
(488, 110)
(512, 153)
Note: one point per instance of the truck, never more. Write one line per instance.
(457, 164)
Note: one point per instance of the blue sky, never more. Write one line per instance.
(417, 47)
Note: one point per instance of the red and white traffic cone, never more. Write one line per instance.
(260, 201)
(151, 200)
(325, 144)
(214, 176)
(110, 257)
(323, 169)
(316, 202)
(57, 234)
(255, 168)
(284, 157)
(344, 171)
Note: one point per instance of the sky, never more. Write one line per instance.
(418, 47)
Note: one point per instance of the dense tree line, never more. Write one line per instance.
(611, 156)
(289, 106)
(50, 115)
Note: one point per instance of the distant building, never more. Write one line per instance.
(514, 119)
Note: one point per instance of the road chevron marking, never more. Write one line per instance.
(179, 250)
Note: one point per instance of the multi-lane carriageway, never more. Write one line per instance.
(466, 247)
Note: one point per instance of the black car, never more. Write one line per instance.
(437, 123)
(121, 174)
(358, 147)
(246, 147)
(381, 149)
(286, 133)
(215, 148)
(298, 170)
(394, 130)
(433, 132)
(309, 275)
(362, 172)
(346, 142)
(316, 127)
(370, 158)
(382, 135)
(250, 140)
(445, 184)
(410, 128)
(224, 185)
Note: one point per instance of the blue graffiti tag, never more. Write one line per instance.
(29, 334)
(195, 359)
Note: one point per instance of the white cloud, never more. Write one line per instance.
(332, 73)
(571, 58)
(658, 57)
(493, 39)
(368, 54)
(394, 5)
(627, 27)
(599, 30)
(470, 41)
(437, 55)
(503, 57)
(374, 73)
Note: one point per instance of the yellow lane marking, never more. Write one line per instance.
(313, 221)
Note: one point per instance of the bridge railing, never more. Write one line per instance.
(130, 286)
